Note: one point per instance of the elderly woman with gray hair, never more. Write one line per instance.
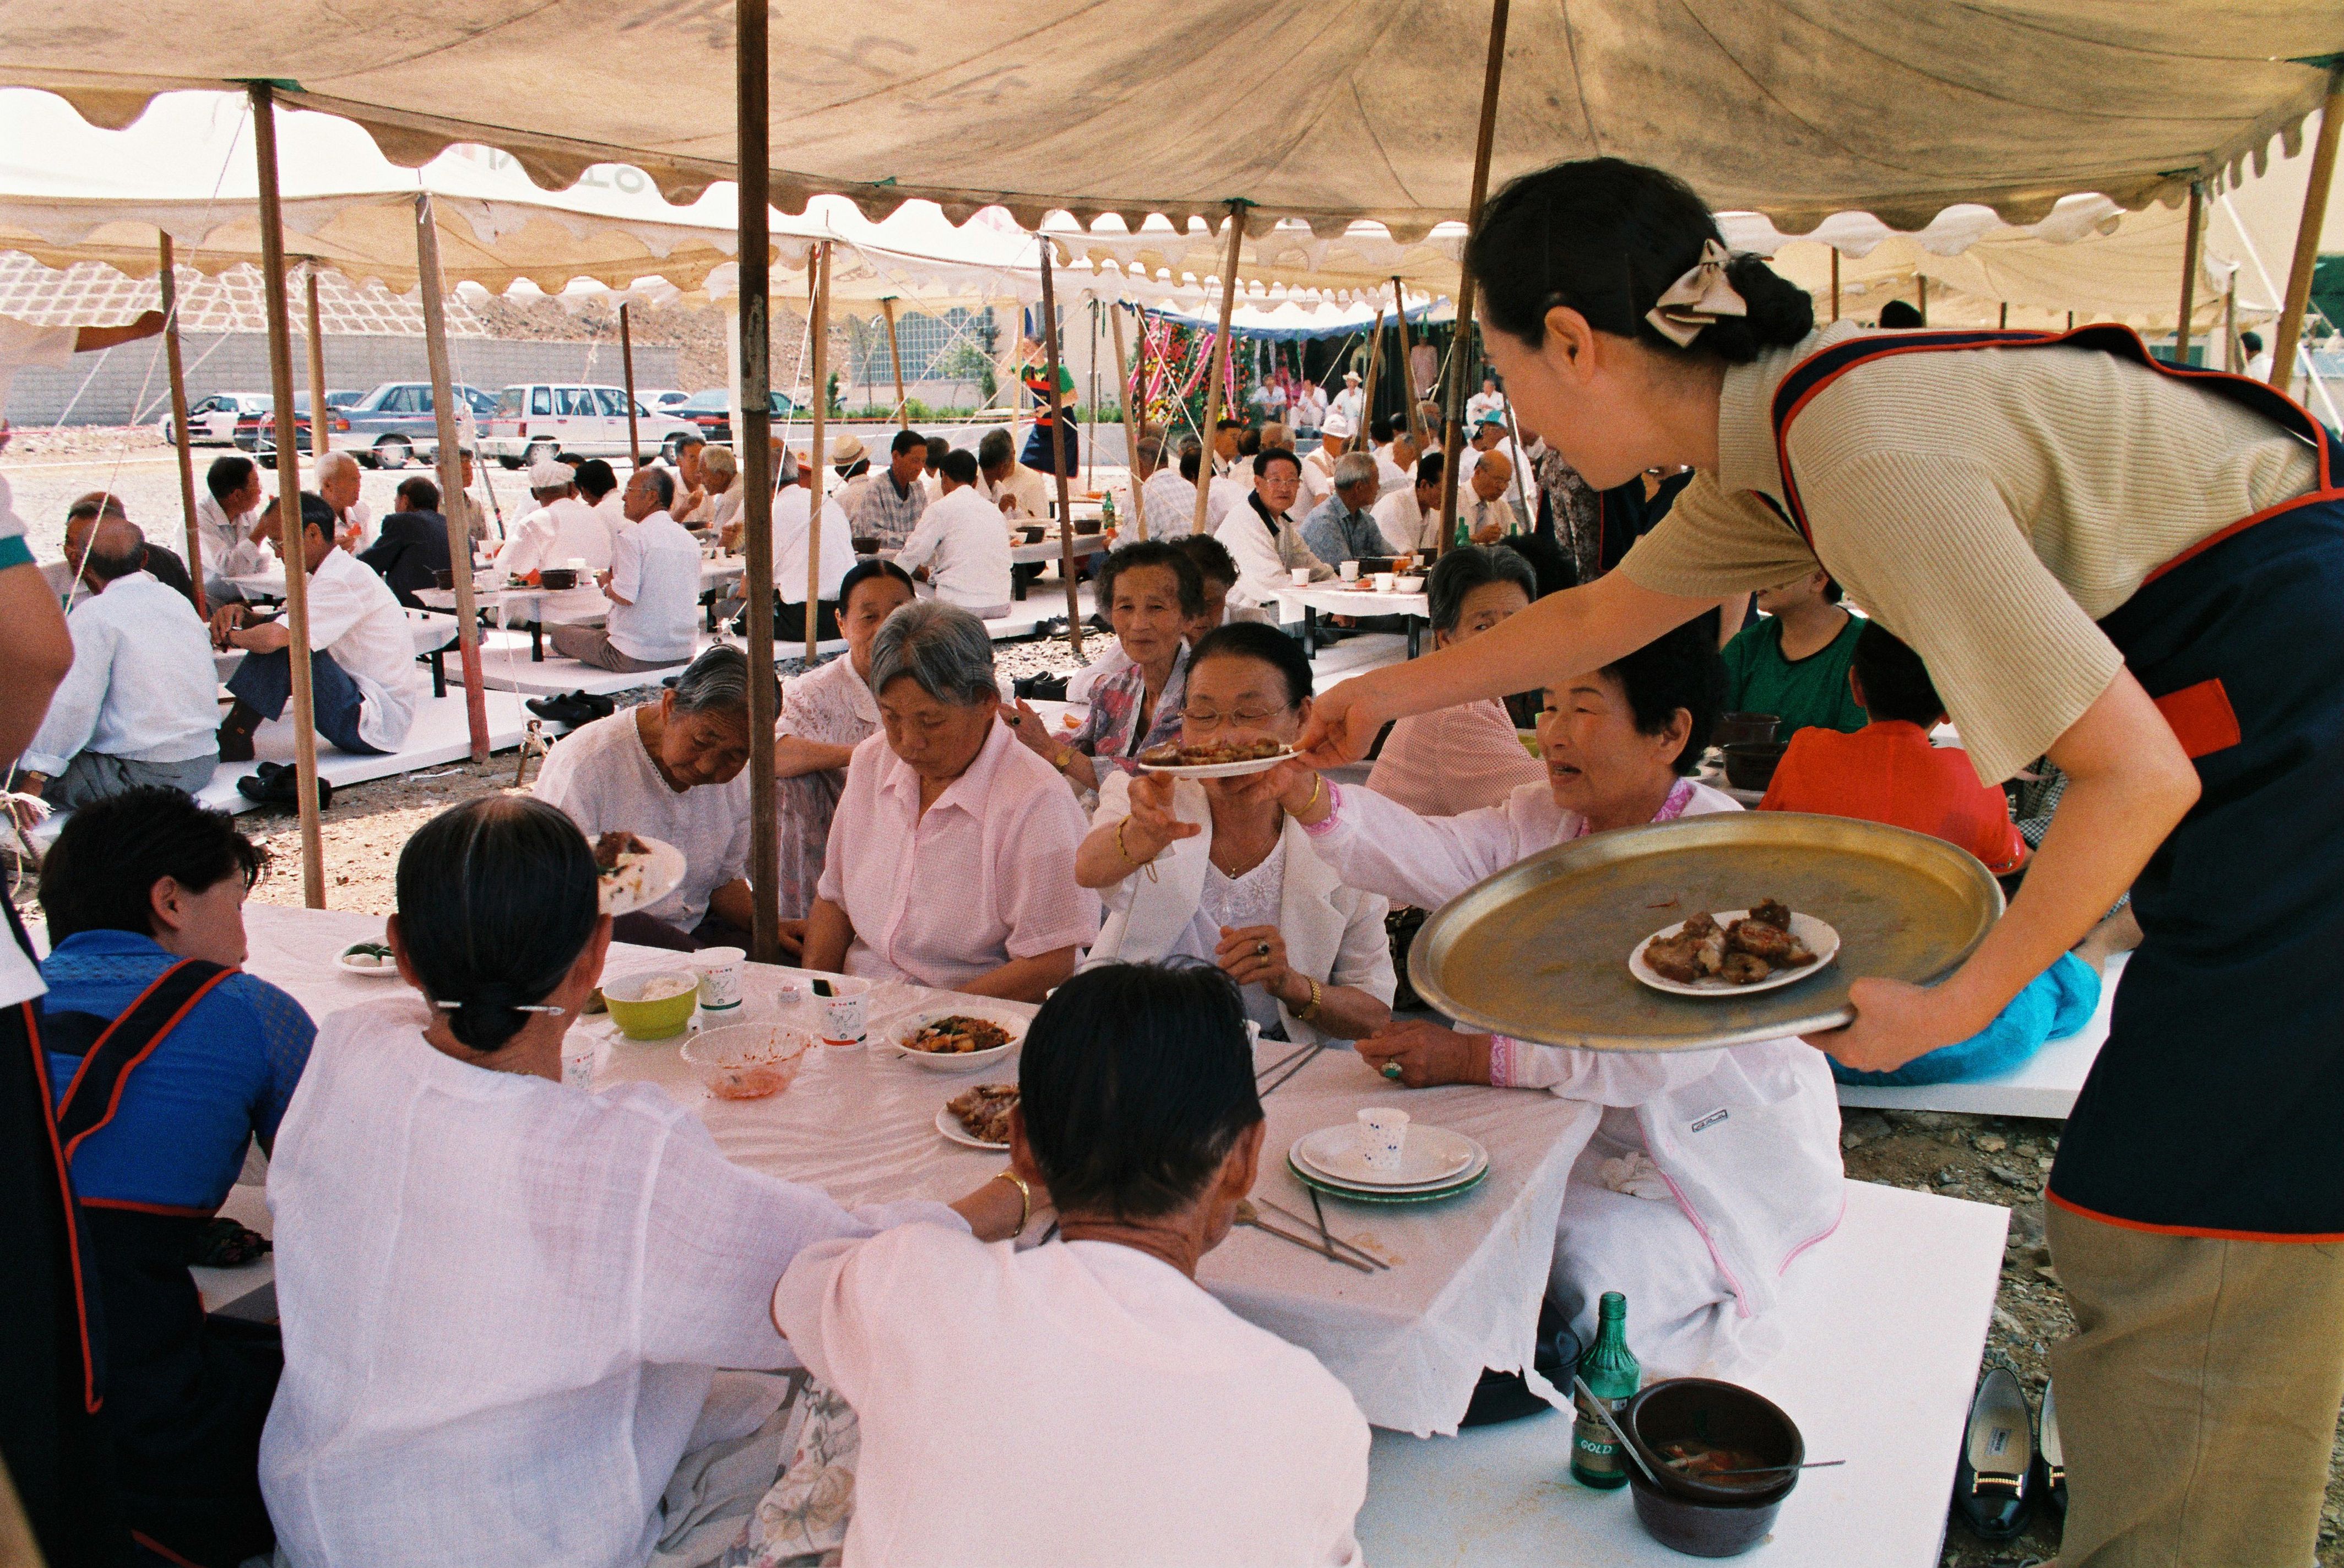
(952, 850)
(1343, 526)
(672, 770)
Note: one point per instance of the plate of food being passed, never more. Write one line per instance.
(635, 873)
(1733, 952)
(1216, 759)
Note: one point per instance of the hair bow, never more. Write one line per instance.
(1699, 297)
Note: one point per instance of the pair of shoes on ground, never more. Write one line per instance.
(572, 708)
(2009, 1465)
(279, 783)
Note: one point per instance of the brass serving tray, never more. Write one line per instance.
(1540, 951)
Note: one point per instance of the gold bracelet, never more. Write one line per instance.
(1025, 1200)
(1318, 786)
(1130, 859)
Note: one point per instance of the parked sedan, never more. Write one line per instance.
(713, 411)
(256, 432)
(395, 424)
(211, 421)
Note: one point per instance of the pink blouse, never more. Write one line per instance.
(1454, 760)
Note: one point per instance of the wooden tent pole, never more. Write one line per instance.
(1921, 288)
(168, 278)
(1375, 372)
(1059, 414)
(320, 438)
(895, 359)
(753, 446)
(819, 455)
(2190, 244)
(2003, 320)
(449, 441)
(1492, 76)
(2230, 361)
(627, 370)
(289, 494)
(1090, 448)
(1834, 255)
(2307, 234)
(1220, 365)
(1407, 371)
(1130, 428)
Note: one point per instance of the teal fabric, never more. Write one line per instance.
(2054, 1005)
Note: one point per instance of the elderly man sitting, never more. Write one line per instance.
(891, 504)
(1261, 536)
(338, 476)
(1167, 491)
(560, 533)
(653, 584)
(1319, 467)
(689, 505)
(1139, 1120)
(1017, 490)
(412, 549)
(1409, 520)
(1342, 528)
(1489, 513)
(363, 683)
(950, 852)
(225, 516)
(157, 560)
(139, 706)
(961, 546)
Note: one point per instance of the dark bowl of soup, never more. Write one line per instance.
(1694, 1432)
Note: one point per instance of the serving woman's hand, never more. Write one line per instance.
(1343, 723)
(1426, 1054)
(1896, 1023)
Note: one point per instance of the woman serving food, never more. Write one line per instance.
(2126, 566)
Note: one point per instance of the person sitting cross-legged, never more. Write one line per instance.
(1888, 772)
(363, 683)
(139, 705)
(560, 529)
(1138, 1420)
(227, 518)
(410, 549)
(673, 770)
(960, 546)
(652, 585)
(166, 1061)
(1343, 526)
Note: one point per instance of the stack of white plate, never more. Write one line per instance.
(1435, 1163)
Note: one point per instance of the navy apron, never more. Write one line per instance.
(2214, 1108)
(185, 1395)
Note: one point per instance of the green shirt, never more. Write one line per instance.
(1811, 691)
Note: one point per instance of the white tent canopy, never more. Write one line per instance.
(1895, 108)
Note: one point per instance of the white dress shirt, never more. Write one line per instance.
(604, 779)
(555, 535)
(1030, 491)
(656, 567)
(227, 542)
(1126, 1415)
(963, 542)
(504, 1302)
(790, 510)
(1407, 527)
(1317, 480)
(981, 877)
(142, 686)
(356, 618)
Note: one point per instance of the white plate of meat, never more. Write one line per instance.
(1734, 952)
(979, 1118)
(1218, 760)
(634, 872)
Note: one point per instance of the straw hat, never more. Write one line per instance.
(1350, 377)
(845, 448)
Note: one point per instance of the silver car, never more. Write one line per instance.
(394, 424)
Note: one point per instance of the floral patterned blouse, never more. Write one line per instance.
(1111, 733)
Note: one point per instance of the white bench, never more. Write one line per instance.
(1885, 1323)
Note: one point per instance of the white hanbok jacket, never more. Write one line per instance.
(1745, 1139)
(1333, 932)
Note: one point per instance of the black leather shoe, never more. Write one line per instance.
(2050, 1458)
(1995, 1485)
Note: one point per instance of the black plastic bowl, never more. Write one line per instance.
(1750, 765)
(1709, 1518)
(558, 578)
(1734, 728)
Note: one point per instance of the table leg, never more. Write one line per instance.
(439, 671)
(1310, 632)
(536, 642)
(1415, 628)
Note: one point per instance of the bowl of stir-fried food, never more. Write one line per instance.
(979, 1118)
(959, 1041)
(1730, 952)
(1216, 759)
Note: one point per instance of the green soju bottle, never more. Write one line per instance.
(1611, 1372)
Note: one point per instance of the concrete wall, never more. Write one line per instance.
(128, 384)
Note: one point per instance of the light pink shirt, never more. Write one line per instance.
(1454, 760)
(987, 876)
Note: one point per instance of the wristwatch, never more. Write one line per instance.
(1064, 760)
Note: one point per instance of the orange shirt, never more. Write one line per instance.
(1888, 772)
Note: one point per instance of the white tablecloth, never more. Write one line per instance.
(859, 1123)
(1331, 598)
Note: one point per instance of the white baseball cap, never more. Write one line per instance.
(1338, 423)
(550, 474)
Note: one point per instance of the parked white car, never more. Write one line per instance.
(211, 421)
(663, 401)
(542, 418)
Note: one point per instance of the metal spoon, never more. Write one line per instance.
(1605, 1411)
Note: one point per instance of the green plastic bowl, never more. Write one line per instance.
(660, 1019)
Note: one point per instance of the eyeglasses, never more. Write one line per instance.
(1206, 719)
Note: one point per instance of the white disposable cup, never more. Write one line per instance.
(846, 1012)
(580, 1053)
(718, 970)
(1383, 581)
(1301, 577)
(1349, 570)
(1383, 1133)
(577, 563)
